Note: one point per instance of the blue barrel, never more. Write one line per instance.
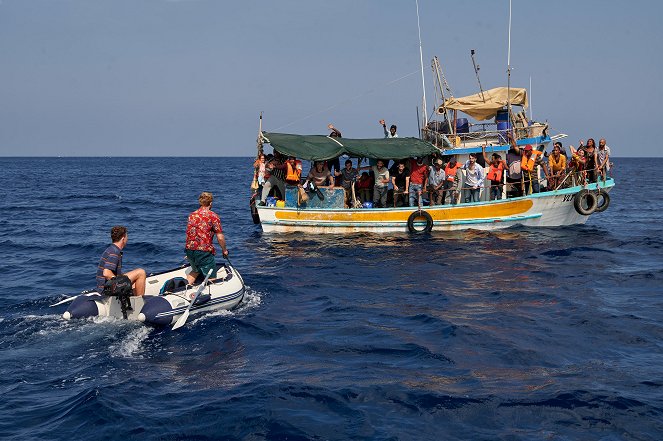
(502, 128)
(462, 125)
(502, 116)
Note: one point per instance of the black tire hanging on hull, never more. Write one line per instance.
(419, 215)
(254, 210)
(602, 201)
(585, 202)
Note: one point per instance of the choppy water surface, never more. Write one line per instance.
(520, 334)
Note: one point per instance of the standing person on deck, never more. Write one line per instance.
(591, 160)
(348, 178)
(201, 228)
(603, 156)
(514, 174)
(436, 179)
(400, 179)
(110, 264)
(473, 179)
(418, 179)
(451, 170)
(529, 169)
(392, 130)
(334, 164)
(274, 177)
(381, 186)
(496, 167)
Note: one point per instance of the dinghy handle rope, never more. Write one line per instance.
(236, 272)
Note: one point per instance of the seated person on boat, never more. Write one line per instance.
(319, 175)
(110, 264)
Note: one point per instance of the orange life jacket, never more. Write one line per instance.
(527, 164)
(450, 172)
(293, 172)
(495, 173)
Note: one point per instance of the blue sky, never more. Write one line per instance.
(190, 77)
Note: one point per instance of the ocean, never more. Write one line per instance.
(521, 334)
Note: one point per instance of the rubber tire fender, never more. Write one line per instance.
(602, 204)
(416, 215)
(254, 211)
(587, 197)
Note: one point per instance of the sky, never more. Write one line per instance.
(191, 77)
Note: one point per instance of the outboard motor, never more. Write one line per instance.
(120, 287)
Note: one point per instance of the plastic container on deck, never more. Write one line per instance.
(270, 201)
(367, 204)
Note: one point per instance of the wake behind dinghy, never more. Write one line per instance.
(166, 298)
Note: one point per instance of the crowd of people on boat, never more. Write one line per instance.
(438, 179)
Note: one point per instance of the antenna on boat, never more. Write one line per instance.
(531, 118)
(476, 72)
(421, 61)
(508, 73)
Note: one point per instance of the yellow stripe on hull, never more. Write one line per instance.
(440, 213)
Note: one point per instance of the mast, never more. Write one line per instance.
(421, 62)
(476, 72)
(508, 76)
(531, 118)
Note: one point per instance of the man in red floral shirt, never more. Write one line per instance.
(203, 225)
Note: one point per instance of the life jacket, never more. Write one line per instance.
(294, 172)
(450, 172)
(495, 173)
(527, 164)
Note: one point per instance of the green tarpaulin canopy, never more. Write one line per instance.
(321, 147)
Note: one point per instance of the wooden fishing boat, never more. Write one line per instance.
(571, 203)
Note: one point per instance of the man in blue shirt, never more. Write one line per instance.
(110, 264)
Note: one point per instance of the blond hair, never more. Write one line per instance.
(205, 199)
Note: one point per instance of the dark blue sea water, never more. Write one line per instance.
(524, 334)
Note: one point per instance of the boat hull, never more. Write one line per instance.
(226, 292)
(546, 209)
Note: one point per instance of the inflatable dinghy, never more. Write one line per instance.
(167, 296)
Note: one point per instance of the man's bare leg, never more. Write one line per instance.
(137, 277)
(191, 277)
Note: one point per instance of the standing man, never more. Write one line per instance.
(436, 180)
(348, 178)
(110, 264)
(203, 225)
(418, 179)
(473, 179)
(603, 159)
(381, 186)
(274, 177)
(392, 130)
(451, 171)
(400, 179)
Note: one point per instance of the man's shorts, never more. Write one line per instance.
(201, 262)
